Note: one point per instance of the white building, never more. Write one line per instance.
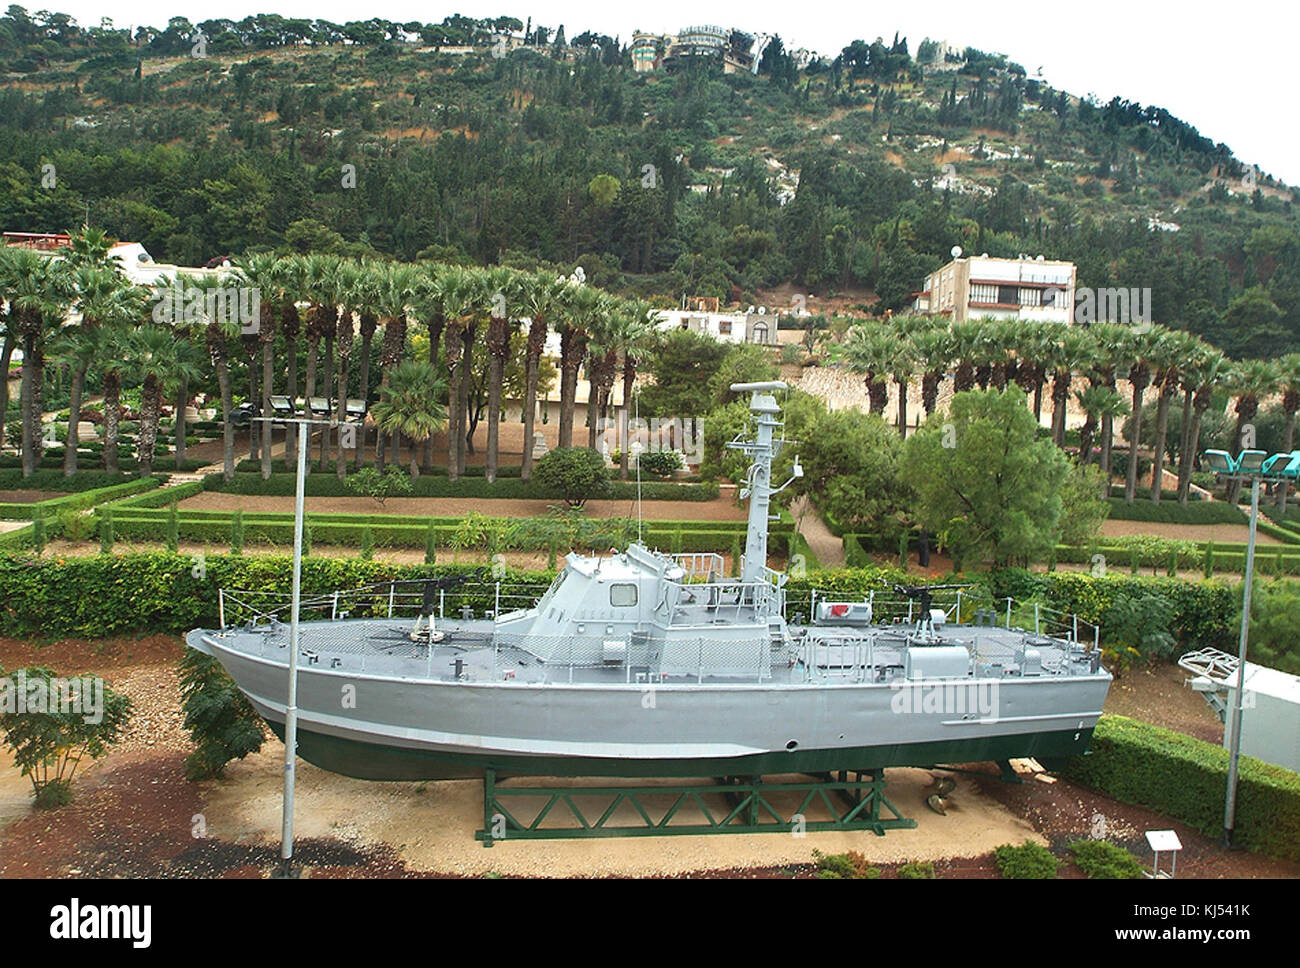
(971, 287)
(747, 327)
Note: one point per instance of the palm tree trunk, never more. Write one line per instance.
(25, 393)
(367, 333)
(268, 384)
(1158, 450)
(6, 354)
(328, 370)
(150, 407)
(454, 377)
(1060, 401)
(112, 417)
(902, 407)
(74, 416)
(344, 361)
(1288, 443)
(435, 335)
(625, 443)
(536, 342)
(254, 426)
(228, 429)
(291, 389)
(462, 407)
(309, 388)
(1134, 445)
(178, 424)
(498, 347)
(1193, 444)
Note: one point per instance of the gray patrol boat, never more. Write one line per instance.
(640, 663)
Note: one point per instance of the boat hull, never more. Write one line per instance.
(377, 761)
(384, 728)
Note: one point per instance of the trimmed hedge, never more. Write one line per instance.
(75, 502)
(106, 595)
(1171, 512)
(328, 485)
(53, 480)
(314, 466)
(1185, 778)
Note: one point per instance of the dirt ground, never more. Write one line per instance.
(135, 815)
(720, 509)
(1186, 532)
(28, 497)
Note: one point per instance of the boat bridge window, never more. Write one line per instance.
(622, 594)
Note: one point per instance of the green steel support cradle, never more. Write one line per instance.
(848, 800)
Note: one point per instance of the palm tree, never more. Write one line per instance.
(966, 337)
(540, 294)
(1169, 355)
(504, 283)
(352, 296)
(262, 273)
(1100, 403)
(38, 291)
(933, 348)
(100, 293)
(318, 272)
(291, 284)
(871, 353)
(157, 356)
(408, 405)
(584, 306)
(1289, 384)
(8, 327)
(460, 293)
(1070, 354)
(1143, 349)
(217, 336)
(396, 289)
(1111, 351)
(636, 326)
(1033, 348)
(1206, 374)
(1248, 382)
(602, 363)
(902, 367)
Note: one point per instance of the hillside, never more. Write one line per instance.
(854, 176)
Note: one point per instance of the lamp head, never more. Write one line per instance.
(1251, 461)
(1219, 461)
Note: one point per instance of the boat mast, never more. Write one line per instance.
(762, 449)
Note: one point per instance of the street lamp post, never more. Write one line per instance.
(1253, 466)
(303, 424)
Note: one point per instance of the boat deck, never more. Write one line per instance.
(467, 651)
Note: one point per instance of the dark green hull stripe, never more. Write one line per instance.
(371, 761)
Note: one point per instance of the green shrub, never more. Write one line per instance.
(38, 534)
(1104, 861)
(917, 870)
(367, 544)
(848, 866)
(1029, 861)
(1184, 778)
(661, 463)
(173, 529)
(106, 531)
(577, 473)
(430, 544)
(223, 724)
(371, 483)
(237, 533)
(48, 746)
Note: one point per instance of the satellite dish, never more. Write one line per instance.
(956, 251)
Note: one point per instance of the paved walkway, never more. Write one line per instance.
(824, 544)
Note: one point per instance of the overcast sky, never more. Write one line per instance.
(1227, 69)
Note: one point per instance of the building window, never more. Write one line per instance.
(1009, 295)
(622, 595)
(760, 332)
(1030, 297)
(724, 327)
(983, 292)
